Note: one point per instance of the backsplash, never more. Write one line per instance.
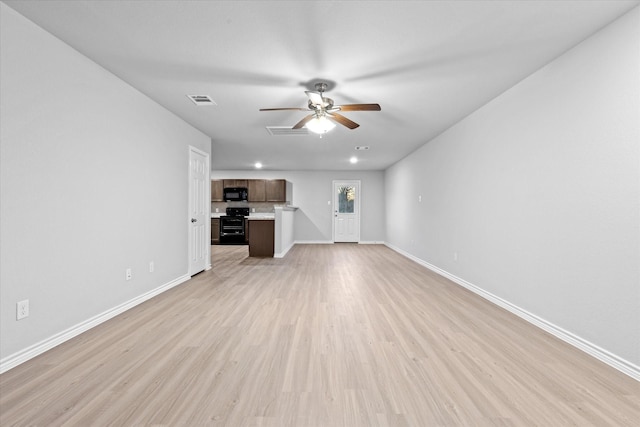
(260, 207)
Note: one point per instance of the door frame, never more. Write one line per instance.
(207, 196)
(357, 183)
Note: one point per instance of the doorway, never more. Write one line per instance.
(199, 207)
(346, 211)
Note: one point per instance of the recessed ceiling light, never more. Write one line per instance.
(258, 165)
(362, 147)
(353, 160)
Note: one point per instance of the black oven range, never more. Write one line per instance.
(232, 230)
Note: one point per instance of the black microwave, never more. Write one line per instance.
(235, 194)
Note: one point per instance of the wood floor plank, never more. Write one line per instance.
(330, 335)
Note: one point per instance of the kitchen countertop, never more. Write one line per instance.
(252, 215)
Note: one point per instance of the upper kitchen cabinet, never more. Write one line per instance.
(260, 190)
(216, 190)
(276, 190)
(236, 183)
(257, 190)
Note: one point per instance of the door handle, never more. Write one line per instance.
(194, 220)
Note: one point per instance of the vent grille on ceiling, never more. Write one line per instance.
(286, 130)
(202, 99)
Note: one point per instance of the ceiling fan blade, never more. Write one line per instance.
(342, 120)
(314, 97)
(359, 107)
(283, 109)
(303, 122)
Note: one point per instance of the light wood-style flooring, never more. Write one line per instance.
(330, 335)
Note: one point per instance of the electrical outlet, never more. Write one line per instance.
(455, 256)
(22, 309)
(419, 199)
(152, 267)
(127, 274)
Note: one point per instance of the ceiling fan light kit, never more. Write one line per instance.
(320, 125)
(324, 113)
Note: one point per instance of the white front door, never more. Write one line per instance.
(346, 211)
(199, 206)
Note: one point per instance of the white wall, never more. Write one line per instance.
(311, 192)
(94, 180)
(538, 193)
(283, 239)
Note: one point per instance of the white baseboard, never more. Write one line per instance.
(331, 242)
(28, 353)
(284, 252)
(319, 242)
(599, 353)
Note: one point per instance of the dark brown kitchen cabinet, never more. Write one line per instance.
(260, 190)
(257, 190)
(276, 190)
(261, 242)
(235, 183)
(215, 231)
(216, 190)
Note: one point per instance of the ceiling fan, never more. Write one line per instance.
(324, 113)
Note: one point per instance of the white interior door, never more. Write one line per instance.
(199, 207)
(346, 215)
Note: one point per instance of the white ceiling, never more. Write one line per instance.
(427, 63)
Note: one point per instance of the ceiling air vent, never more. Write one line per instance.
(202, 99)
(286, 130)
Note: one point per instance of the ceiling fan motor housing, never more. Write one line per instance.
(327, 103)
